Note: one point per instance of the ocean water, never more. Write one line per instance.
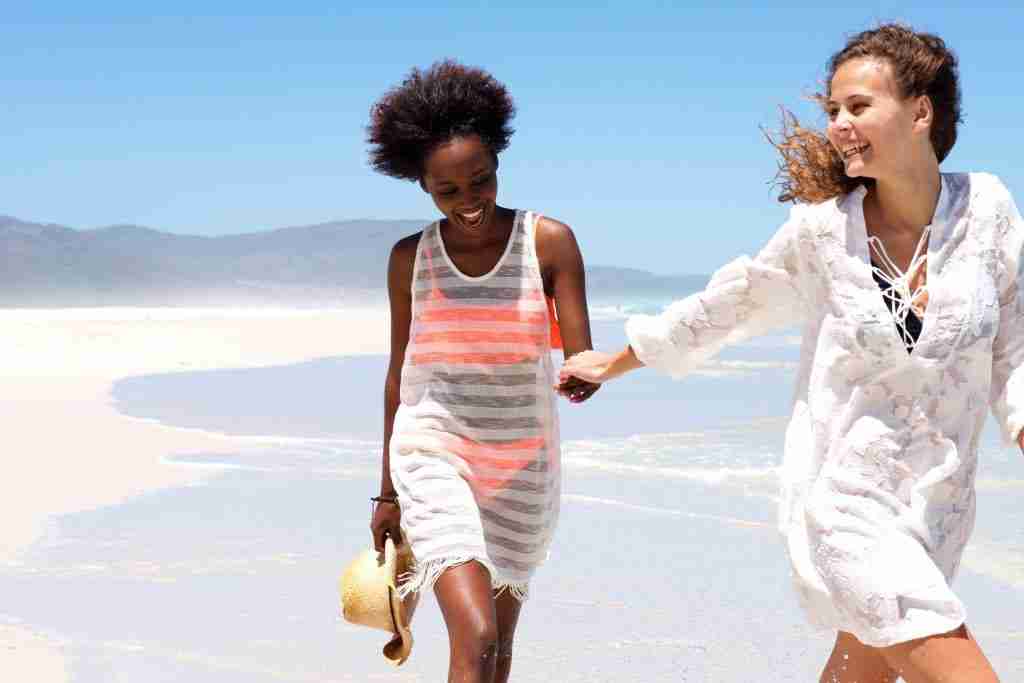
(666, 565)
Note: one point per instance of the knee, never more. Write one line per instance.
(477, 641)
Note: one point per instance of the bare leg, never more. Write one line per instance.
(507, 608)
(467, 603)
(953, 657)
(853, 662)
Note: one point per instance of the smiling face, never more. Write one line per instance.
(876, 130)
(461, 177)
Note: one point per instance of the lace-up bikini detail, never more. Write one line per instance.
(907, 303)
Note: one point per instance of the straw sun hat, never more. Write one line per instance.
(369, 597)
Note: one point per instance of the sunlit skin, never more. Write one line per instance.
(885, 137)
(461, 178)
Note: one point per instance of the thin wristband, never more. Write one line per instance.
(385, 499)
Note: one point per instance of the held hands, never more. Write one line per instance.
(583, 373)
(588, 366)
(576, 390)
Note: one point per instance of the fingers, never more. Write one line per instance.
(395, 532)
(378, 538)
(576, 390)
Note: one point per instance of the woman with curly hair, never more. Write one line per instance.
(909, 286)
(471, 476)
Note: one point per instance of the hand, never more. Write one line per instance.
(576, 390)
(589, 366)
(386, 522)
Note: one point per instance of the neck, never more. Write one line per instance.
(907, 203)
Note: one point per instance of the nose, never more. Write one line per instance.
(841, 123)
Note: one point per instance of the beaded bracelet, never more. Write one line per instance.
(385, 499)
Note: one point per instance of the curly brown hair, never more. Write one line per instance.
(811, 170)
(447, 101)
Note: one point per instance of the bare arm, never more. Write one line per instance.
(565, 281)
(400, 267)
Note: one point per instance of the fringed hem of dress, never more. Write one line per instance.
(424, 575)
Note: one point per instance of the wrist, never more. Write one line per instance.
(623, 362)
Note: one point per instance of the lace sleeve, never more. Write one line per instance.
(743, 299)
(1008, 347)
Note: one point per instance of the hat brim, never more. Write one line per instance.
(398, 648)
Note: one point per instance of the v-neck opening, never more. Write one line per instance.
(864, 253)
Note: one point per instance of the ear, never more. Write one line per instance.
(924, 113)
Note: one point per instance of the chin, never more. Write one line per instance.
(857, 170)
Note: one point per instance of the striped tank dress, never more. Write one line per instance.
(474, 451)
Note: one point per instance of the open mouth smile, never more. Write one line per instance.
(471, 219)
(850, 152)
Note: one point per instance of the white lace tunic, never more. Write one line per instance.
(881, 450)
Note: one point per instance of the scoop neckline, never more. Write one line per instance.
(501, 259)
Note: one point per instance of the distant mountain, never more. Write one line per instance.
(46, 265)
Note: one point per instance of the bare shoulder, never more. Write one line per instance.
(552, 230)
(554, 240)
(403, 259)
(557, 249)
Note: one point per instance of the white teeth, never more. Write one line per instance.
(472, 217)
(851, 151)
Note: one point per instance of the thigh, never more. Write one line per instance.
(852, 661)
(953, 657)
(467, 601)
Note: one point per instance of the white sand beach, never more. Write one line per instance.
(66, 447)
(169, 463)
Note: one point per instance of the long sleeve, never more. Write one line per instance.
(745, 298)
(1008, 348)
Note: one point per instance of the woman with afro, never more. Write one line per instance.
(909, 286)
(470, 476)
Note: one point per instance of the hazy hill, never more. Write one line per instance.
(327, 264)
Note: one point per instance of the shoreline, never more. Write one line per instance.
(73, 451)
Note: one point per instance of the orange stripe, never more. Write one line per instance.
(472, 358)
(484, 314)
(479, 337)
(556, 330)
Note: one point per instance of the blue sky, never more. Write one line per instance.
(638, 121)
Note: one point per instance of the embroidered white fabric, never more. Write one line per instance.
(878, 475)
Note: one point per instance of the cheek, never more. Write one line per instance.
(832, 134)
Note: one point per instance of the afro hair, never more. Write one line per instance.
(431, 107)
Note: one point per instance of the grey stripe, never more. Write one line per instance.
(476, 401)
(513, 545)
(444, 271)
(484, 379)
(521, 507)
(528, 486)
(434, 250)
(455, 424)
(483, 293)
(511, 524)
(499, 422)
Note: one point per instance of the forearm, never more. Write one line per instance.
(624, 361)
(391, 401)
